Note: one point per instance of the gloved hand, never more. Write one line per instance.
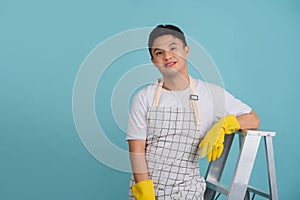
(144, 190)
(214, 139)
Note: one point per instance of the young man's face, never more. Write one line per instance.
(169, 55)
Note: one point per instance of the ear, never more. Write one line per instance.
(152, 60)
(186, 51)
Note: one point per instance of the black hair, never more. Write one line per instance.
(162, 30)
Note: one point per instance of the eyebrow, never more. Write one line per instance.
(173, 43)
(156, 49)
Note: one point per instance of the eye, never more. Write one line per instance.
(158, 53)
(172, 48)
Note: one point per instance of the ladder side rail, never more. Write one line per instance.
(271, 167)
(216, 168)
(244, 167)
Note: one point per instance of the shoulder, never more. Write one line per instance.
(144, 96)
(146, 92)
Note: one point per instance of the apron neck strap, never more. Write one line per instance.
(193, 98)
(160, 83)
(157, 92)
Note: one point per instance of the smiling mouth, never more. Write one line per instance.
(170, 64)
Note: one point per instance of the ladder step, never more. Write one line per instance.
(218, 187)
(224, 189)
(258, 192)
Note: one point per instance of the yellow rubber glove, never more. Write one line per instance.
(212, 144)
(144, 190)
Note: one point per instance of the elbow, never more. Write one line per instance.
(255, 120)
(256, 123)
(249, 121)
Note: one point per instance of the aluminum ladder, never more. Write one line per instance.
(239, 189)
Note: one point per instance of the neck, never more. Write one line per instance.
(178, 82)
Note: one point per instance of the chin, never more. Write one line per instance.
(171, 73)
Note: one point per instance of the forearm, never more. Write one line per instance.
(138, 161)
(249, 121)
(138, 177)
(139, 167)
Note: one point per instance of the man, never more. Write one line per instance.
(174, 120)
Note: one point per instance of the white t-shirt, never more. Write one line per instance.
(214, 102)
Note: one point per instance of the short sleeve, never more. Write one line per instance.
(225, 103)
(137, 120)
(235, 106)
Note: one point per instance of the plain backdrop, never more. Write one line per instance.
(255, 45)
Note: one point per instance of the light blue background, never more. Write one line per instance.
(255, 45)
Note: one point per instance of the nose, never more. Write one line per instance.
(168, 55)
